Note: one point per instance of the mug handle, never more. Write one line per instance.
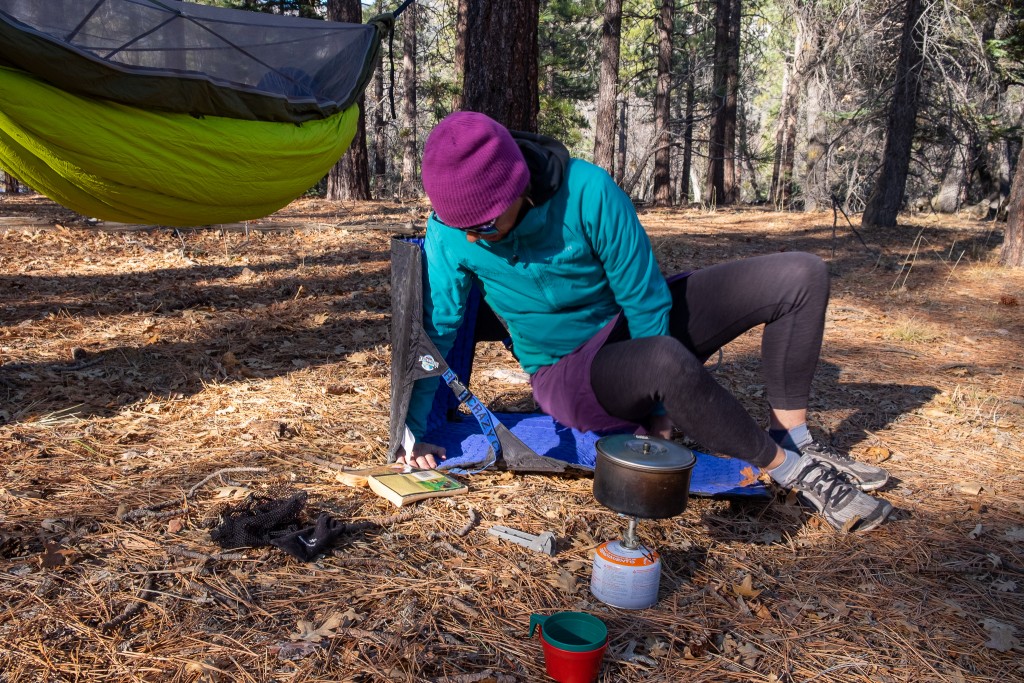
(535, 621)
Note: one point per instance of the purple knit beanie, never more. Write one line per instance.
(472, 169)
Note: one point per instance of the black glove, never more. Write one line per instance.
(309, 543)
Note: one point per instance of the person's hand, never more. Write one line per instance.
(425, 456)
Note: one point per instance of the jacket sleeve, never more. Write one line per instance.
(622, 246)
(445, 291)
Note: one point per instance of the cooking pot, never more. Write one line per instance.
(642, 476)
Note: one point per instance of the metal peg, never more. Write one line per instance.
(543, 542)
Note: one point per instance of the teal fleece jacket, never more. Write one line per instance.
(565, 271)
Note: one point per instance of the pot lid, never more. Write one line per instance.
(646, 453)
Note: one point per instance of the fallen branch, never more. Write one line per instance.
(322, 462)
(403, 516)
(145, 595)
(152, 511)
(474, 519)
(178, 551)
(452, 549)
(192, 491)
(487, 674)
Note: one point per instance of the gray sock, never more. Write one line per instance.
(784, 474)
(791, 439)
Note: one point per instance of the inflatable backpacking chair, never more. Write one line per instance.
(174, 113)
(524, 442)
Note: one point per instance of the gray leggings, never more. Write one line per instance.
(787, 293)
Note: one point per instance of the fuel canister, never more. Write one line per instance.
(625, 577)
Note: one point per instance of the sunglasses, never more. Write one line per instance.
(484, 229)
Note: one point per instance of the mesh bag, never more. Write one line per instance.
(195, 59)
(257, 520)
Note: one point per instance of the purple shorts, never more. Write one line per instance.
(564, 390)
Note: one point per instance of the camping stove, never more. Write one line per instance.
(638, 477)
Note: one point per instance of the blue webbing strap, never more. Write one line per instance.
(479, 410)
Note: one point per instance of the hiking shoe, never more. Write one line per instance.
(841, 504)
(862, 475)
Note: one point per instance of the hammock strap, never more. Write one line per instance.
(401, 8)
(480, 412)
(391, 61)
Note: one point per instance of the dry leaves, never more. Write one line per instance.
(1001, 636)
(969, 488)
(877, 454)
(306, 631)
(563, 581)
(231, 492)
(745, 588)
(749, 476)
(54, 556)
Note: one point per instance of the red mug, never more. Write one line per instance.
(574, 645)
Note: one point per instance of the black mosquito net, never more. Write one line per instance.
(189, 58)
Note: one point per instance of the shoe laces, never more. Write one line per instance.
(818, 448)
(832, 485)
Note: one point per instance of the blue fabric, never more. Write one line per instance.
(466, 447)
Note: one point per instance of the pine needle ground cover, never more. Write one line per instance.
(152, 379)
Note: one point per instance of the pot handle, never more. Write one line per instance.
(535, 621)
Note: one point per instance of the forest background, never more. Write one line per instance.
(872, 106)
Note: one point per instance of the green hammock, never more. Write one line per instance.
(170, 143)
(119, 163)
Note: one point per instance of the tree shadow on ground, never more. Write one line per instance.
(194, 326)
(931, 251)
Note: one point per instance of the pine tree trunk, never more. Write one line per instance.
(1012, 253)
(608, 85)
(380, 159)
(777, 192)
(952, 189)
(806, 53)
(886, 198)
(715, 184)
(787, 158)
(748, 162)
(663, 156)
(730, 183)
(461, 40)
(677, 189)
(350, 177)
(501, 61)
(620, 162)
(688, 135)
(409, 148)
(816, 191)
(10, 183)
